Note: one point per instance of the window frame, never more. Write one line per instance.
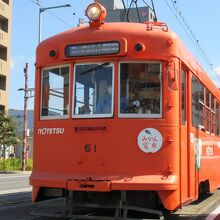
(207, 110)
(201, 103)
(4, 83)
(184, 73)
(88, 116)
(194, 120)
(41, 89)
(146, 116)
(213, 113)
(198, 103)
(217, 129)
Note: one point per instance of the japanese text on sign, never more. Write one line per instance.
(92, 49)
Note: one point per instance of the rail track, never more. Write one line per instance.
(12, 208)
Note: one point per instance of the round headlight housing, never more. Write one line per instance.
(95, 12)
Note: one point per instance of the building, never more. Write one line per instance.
(116, 12)
(5, 36)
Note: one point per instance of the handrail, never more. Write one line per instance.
(162, 25)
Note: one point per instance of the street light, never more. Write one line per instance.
(41, 10)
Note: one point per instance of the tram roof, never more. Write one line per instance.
(131, 32)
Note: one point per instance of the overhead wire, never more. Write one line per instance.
(183, 24)
(184, 28)
(191, 32)
(35, 2)
(180, 22)
(60, 19)
(147, 4)
(188, 31)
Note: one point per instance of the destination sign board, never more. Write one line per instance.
(92, 49)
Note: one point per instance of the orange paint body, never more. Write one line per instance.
(117, 163)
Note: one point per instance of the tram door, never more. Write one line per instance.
(185, 186)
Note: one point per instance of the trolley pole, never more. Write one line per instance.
(24, 148)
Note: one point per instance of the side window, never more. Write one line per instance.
(207, 110)
(198, 105)
(213, 121)
(195, 112)
(201, 107)
(183, 97)
(55, 92)
(140, 90)
(217, 118)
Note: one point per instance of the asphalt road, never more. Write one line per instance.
(18, 182)
(15, 203)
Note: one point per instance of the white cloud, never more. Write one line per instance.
(12, 64)
(215, 75)
(217, 70)
(32, 59)
(16, 61)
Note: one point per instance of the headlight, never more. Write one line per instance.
(95, 12)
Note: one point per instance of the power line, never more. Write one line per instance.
(52, 14)
(189, 31)
(60, 19)
(146, 3)
(35, 2)
(180, 23)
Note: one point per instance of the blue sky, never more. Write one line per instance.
(203, 19)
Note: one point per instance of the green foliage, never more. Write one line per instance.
(19, 126)
(14, 164)
(29, 164)
(8, 136)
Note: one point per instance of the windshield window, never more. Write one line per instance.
(140, 90)
(55, 92)
(93, 90)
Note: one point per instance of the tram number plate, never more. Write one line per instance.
(90, 148)
(92, 49)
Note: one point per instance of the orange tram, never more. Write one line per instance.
(124, 117)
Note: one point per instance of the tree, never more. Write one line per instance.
(8, 136)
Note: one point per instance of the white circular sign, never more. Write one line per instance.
(149, 140)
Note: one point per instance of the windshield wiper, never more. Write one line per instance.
(100, 66)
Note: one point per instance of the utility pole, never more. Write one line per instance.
(28, 93)
(24, 149)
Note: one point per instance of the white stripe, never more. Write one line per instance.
(8, 177)
(213, 214)
(25, 183)
(16, 191)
